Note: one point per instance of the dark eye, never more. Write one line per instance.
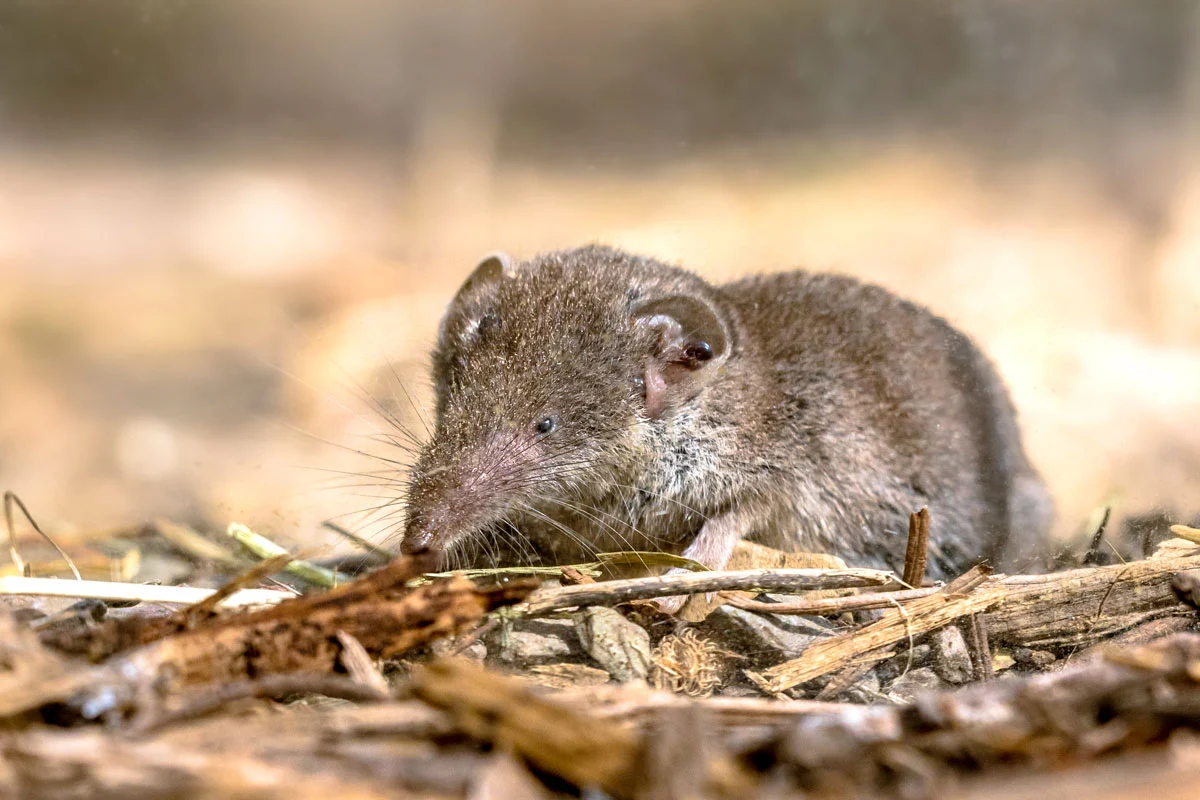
(545, 425)
(699, 351)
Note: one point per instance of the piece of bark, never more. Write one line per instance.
(624, 741)
(1083, 606)
(582, 750)
(115, 635)
(386, 617)
(384, 614)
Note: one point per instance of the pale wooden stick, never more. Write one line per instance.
(143, 592)
(609, 593)
(830, 606)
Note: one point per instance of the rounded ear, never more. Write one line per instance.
(491, 270)
(464, 314)
(692, 340)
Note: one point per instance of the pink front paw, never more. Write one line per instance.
(672, 604)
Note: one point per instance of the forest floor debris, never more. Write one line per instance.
(818, 679)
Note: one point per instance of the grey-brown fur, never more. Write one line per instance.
(816, 415)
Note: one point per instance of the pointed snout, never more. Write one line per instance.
(417, 542)
(461, 491)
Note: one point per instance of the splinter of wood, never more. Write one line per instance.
(918, 548)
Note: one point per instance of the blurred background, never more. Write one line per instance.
(228, 227)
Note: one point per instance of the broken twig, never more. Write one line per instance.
(609, 593)
(918, 548)
(265, 548)
(962, 596)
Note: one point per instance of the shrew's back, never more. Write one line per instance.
(888, 408)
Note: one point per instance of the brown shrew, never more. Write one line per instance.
(592, 400)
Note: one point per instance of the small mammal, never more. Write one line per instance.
(592, 400)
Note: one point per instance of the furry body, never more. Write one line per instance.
(591, 400)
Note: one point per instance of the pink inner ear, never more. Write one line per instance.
(667, 385)
(656, 389)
